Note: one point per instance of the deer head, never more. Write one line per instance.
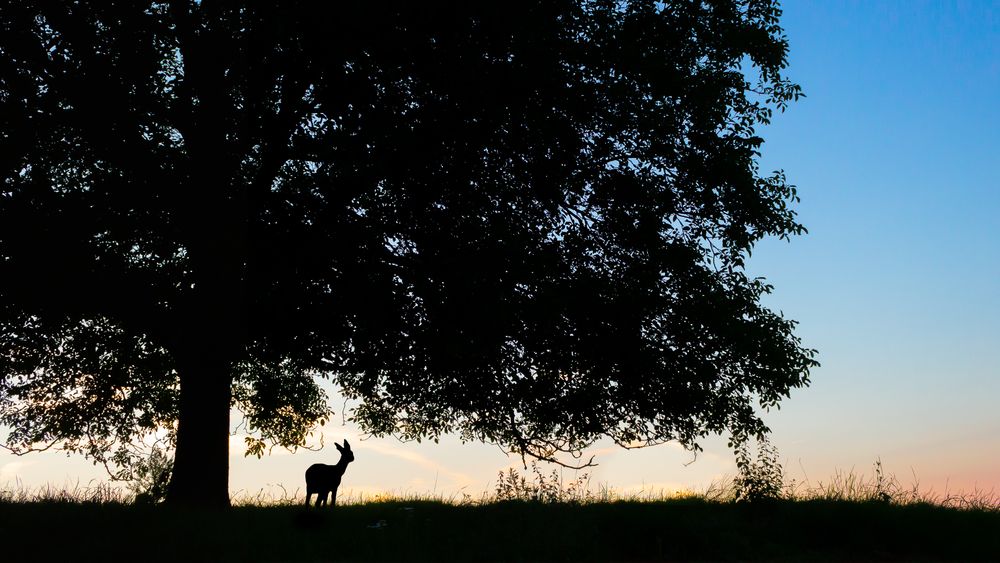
(346, 455)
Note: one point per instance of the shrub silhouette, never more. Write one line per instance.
(513, 485)
(151, 476)
(761, 478)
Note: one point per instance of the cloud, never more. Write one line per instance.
(12, 470)
(386, 448)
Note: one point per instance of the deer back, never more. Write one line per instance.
(324, 475)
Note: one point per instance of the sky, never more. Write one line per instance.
(895, 150)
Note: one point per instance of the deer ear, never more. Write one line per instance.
(347, 446)
(339, 449)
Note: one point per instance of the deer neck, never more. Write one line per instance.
(341, 465)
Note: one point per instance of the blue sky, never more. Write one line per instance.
(895, 151)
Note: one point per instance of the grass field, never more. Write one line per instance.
(77, 527)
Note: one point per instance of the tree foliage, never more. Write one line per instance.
(525, 223)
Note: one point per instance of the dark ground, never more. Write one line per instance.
(676, 530)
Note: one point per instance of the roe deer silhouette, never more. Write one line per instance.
(323, 479)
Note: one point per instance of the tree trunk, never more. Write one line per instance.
(201, 461)
(214, 223)
(214, 337)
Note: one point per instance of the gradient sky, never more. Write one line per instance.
(895, 151)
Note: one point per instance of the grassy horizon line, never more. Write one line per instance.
(537, 486)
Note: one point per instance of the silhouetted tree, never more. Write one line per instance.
(525, 223)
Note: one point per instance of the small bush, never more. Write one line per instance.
(760, 478)
(151, 476)
(513, 485)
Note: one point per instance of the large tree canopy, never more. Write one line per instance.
(525, 223)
